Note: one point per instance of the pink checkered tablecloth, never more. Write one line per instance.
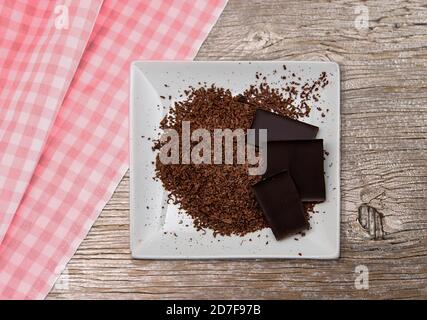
(37, 63)
(64, 119)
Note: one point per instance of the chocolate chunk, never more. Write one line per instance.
(304, 161)
(282, 128)
(281, 205)
(241, 98)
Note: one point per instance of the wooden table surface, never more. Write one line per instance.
(384, 163)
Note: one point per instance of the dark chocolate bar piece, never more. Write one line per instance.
(281, 205)
(282, 128)
(304, 161)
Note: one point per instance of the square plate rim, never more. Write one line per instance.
(333, 255)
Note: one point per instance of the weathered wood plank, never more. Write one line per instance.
(384, 162)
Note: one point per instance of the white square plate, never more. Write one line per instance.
(158, 230)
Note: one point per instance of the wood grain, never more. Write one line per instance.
(384, 163)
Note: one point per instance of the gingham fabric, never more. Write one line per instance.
(37, 63)
(86, 153)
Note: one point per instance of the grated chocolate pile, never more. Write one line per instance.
(219, 197)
